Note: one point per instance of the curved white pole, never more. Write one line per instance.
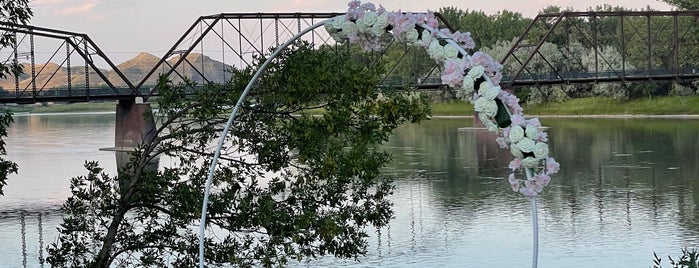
(535, 227)
(212, 168)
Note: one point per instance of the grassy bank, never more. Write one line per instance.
(108, 106)
(592, 106)
(587, 106)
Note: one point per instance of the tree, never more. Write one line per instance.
(486, 30)
(12, 12)
(289, 184)
(683, 4)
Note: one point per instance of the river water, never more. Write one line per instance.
(627, 188)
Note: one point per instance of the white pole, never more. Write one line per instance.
(535, 234)
(535, 226)
(212, 168)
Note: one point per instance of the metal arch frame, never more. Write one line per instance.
(71, 40)
(553, 21)
(226, 129)
(236, 108)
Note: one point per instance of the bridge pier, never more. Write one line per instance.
(134, 126)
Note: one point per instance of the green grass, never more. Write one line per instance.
(64, 108)
(592, 106)
(596, 106)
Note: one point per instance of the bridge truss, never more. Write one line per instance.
(595, 47)
(205, 53)
(235, 39)
(66, 49)
(560, 48)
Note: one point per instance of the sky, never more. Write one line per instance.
(122, 28)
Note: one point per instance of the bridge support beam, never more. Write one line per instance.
(134, 125)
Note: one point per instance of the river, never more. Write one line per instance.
(627, 188)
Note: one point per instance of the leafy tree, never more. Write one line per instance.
(289, 185)
(683, 4)
(486, 30)
(12, 12)
(608, 60)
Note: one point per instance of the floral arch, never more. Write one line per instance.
(474, 74)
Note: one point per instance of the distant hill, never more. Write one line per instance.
(51, 75)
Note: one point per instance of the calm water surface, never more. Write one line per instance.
(626, 188)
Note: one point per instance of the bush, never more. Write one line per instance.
(689, 259)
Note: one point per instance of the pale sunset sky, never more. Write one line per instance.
(124, 27)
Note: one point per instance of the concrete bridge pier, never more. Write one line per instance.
(134, 125)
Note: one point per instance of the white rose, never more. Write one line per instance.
(516, 152)
(516, 134)
(532, 132)
(382, 20)
(530, 162)
(426, 37)
(365, 23)
(411, 36)
(491, 108)
(492, 127)
(451, 51)
(349, 28)
(467, 86)
(486, 106)
(378, 31)
(329, 27)
(526, 145)
(488, 91)
(436, 50)
(476, 72)
(338, 22)
(541, 150)
(484, 118)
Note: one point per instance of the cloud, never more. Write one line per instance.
(75, 9)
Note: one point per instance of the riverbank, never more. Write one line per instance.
(107, 106)
(659, 107)
(593, 107)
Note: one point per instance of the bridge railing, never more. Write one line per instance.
(552, 78)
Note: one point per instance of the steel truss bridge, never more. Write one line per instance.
(598, 47)
(215, 43)
(211, 46)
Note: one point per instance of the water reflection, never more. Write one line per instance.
(626, 188)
